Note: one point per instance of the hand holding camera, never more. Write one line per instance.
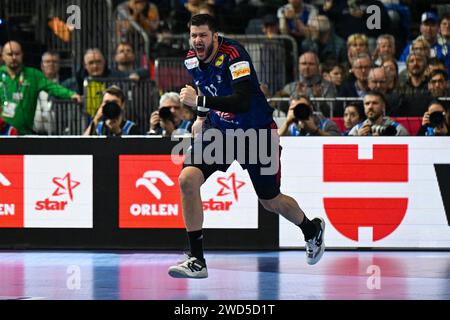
(113, 116)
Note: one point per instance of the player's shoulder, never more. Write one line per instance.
(191, 60)
(233, 49)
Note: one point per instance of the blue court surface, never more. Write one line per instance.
(233, 275)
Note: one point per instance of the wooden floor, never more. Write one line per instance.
(233, 276)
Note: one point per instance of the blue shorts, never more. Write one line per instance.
(264, 172)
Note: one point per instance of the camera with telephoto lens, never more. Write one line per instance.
(166, 115)
(302, 112)
(388, 131)
(437, 119)
(111, 111)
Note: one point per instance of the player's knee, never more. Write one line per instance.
(270, 205)
(189, 181)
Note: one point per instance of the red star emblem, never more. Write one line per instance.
(230, 185)
(65, 186)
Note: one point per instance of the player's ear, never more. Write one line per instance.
(216, 36)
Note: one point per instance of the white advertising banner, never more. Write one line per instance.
(380, 192)
(58, 191)
(229, 200)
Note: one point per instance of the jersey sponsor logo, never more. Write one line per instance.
(191, 63)
(240, 69)
(219, 61)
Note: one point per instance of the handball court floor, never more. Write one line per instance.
(283, 275)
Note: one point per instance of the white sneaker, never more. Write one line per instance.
(316, 246)
(190, 268)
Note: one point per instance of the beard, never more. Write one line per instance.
(206, 51)
(373, 116)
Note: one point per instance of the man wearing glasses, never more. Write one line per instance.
(168, 119)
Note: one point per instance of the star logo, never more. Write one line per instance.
(230, 186)
(65, 186)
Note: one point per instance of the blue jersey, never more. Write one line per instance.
(231, 65)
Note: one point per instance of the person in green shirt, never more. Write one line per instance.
(20, 87)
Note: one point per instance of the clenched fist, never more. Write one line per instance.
(188, 96)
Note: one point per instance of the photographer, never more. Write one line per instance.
(435, 121)
(168, 119)
(110, 118)
(303, 121)
(377, 124)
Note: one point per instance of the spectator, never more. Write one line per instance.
(438, 84)
(376, 123)
(207, 8)
(310, 82)
(293, 18)
(165, 123)
(181, 14)
(351, 17)
(126, 63)
(272, 59)
(143, 12)
(95, 67)
(435, 121)
(358, 86)
(324, 42)
(377, 81)
(44, 122)
(352, 116)
(21, 87)
(357, 44)
(421, 46)
(165, 45)
(444, 27)
(429, 29)
(413, 79)
(110, 118)
(334, 73)
(270, 26)
(391, 68)
(385, 49)
(314, 125)
(435, 64)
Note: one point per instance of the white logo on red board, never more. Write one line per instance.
(6, 209)
(149, 195)
(149, 180)
(64, 187)
(229, 186)
(4, 181)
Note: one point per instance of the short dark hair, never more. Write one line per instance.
(438, 72)
(204, 19)
(446, 16)
(435, 61)
(357, 105)
(125, 43)
(51, 53)
(377, 94)
(115, 91)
